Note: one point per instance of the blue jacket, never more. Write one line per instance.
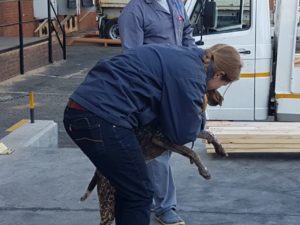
(162, 82)
(147, 22)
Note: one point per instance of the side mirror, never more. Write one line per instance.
(210, 14)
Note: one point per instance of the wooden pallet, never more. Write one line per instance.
(43, 30)
(70, 24)
(104, 41)
(247, 137)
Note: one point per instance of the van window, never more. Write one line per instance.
(231, 15)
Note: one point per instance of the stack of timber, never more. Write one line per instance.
(256, 137)
(297, 60)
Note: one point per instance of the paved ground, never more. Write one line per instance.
(52, 85)
(42, 186)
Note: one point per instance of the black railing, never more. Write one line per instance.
(51, 29)
(21, 41)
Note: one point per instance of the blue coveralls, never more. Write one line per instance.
(152, 82)
(146, 22)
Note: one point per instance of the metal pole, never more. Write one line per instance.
(31, 106)
(21, 41)
(49, 33)
(200, 23)
(62, 27)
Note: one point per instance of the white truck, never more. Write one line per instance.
(270, 78)
(108, 13)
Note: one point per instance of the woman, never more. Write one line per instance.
(153, 82)
(156, 22)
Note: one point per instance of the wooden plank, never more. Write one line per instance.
(258, 127)
(41, 25)
(256, 137)
(65, 20)
(96, 40)
(71, 24)
(259, 146)
(214, 123)
(246, 140)
(297, 60)
(254, 130)
(258, 150)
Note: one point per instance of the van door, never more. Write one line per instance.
(287, 82)
(236, 26)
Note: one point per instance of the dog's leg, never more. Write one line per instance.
(185, 151)
(106, 195)
(211, 139)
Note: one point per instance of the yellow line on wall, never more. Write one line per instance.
(17, 125)
(252, 75)
(287, 95)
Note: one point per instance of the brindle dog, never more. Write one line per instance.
(153, 144)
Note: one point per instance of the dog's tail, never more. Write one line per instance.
(90, 188)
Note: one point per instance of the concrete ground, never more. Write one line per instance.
(52, 86)
(43, 185)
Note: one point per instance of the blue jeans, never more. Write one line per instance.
(116, 153)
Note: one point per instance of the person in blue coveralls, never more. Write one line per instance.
(163, 83)
(155, 21)
(158, 21)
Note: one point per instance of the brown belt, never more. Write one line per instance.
(74, 105)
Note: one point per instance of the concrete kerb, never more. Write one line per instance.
(41, 133)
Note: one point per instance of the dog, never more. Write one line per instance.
(153, 144)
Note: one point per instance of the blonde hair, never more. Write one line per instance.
(223, 58)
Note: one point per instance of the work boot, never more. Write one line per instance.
(169, 217)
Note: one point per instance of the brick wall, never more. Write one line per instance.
(9, 15)
(87, 22)
(35, 56)
(9, 63)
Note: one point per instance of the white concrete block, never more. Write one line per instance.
(41, 133)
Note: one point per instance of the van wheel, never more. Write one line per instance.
(111, 30)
